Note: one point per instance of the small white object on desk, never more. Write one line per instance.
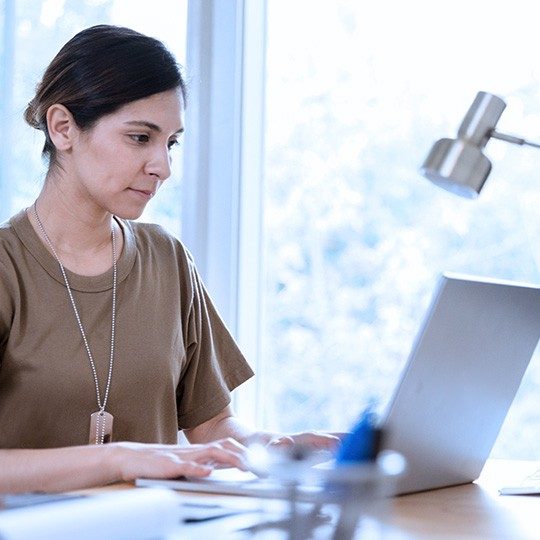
(529, 486)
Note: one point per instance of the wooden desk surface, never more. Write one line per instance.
(472, 511)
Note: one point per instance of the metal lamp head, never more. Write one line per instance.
(459, 165)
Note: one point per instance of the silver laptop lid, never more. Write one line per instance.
(461, 378)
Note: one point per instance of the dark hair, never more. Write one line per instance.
(98, 71)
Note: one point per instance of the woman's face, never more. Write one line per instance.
(120, 163)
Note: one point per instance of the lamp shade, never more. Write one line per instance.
(459, 165)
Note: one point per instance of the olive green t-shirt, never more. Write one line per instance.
(175, 362)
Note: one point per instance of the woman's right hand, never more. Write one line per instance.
(139, 460)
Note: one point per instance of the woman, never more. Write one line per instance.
(105, 327)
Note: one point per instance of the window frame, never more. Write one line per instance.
(223, 168)
(6, 105)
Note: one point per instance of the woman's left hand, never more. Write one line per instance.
(314, 439)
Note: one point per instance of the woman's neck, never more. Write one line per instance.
(79, 231)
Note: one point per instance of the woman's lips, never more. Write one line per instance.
(143, 193)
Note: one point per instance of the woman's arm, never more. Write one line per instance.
(78, 467)
(225, 424)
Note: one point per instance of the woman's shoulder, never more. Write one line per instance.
(11, 251)
(6, 232)
(9, 239)
(153, 234)
(6, 242)
(156, 240)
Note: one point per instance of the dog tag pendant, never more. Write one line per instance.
(101, 424)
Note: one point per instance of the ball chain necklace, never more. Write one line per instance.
(101, 421)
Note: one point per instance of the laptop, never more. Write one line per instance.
(461, 377)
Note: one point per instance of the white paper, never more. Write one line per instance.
(136, 514)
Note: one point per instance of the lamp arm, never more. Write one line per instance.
(511, 139)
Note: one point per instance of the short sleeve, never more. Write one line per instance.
(214, 364)
(6, 309)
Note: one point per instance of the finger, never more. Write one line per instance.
(220, 457)
(339, 434)
(231, 458)
(232, 444)
(158, 465)
(284, 442)
(194, 470)
(229, 444)
(317, 440)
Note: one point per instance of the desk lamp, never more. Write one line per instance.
(459, 165)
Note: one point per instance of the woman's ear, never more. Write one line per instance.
(61, 126)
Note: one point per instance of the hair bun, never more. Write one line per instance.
(31, 115)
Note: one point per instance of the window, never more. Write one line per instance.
(32, 33)
(353, 238)
(356, 94)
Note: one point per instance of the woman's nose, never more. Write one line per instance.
(159, 163)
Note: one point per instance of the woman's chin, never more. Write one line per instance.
(129, 213)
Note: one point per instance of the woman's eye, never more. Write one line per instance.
(172, 142)
(142, 138)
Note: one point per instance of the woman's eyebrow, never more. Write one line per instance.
(149, 125)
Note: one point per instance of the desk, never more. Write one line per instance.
(472, 511)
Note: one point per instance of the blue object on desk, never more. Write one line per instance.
(363, 443)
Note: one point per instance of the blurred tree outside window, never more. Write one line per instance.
(355, 238)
